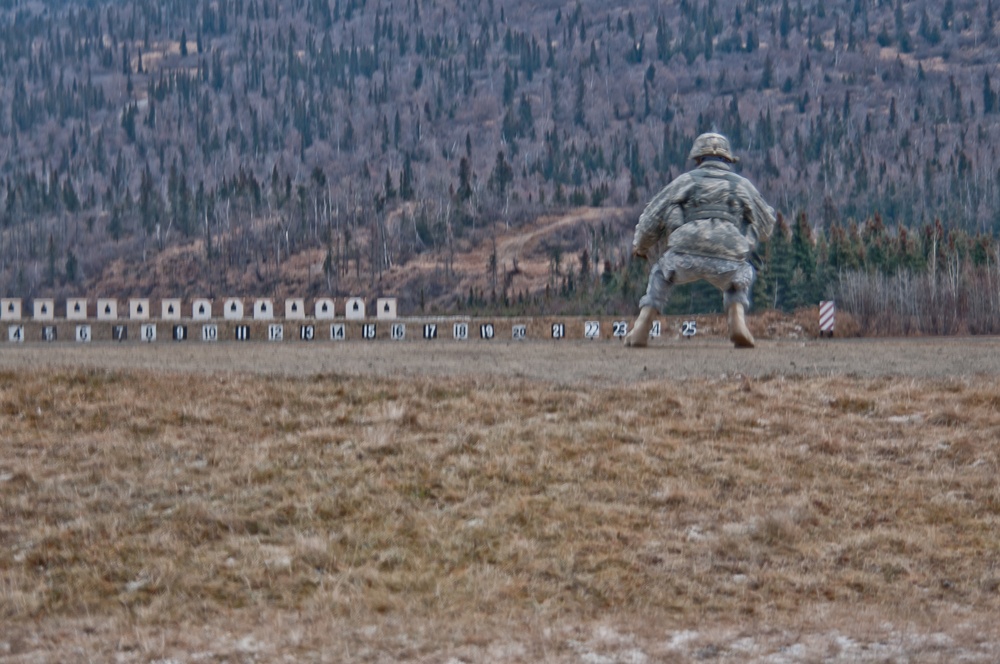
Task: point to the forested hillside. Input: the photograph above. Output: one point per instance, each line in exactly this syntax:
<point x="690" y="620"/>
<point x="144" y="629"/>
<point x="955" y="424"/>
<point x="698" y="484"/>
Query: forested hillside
<point x="266" y="147"/>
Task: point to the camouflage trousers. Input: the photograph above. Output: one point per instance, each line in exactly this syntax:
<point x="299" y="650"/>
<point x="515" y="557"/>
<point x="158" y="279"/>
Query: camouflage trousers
<point x="733" y="278"/>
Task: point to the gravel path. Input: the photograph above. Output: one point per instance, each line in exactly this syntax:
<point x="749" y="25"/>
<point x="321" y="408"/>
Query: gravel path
<point x="562" y="362"/>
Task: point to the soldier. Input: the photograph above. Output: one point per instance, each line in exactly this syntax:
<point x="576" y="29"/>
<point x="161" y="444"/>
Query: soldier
<point x="712" y="220"/>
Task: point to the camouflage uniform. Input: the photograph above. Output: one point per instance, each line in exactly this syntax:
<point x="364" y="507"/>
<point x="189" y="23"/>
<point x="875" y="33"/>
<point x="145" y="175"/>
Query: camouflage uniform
<point x="712" y="220"/>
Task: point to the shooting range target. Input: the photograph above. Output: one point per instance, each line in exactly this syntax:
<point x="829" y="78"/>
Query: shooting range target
<point x="10" y="309"/>
<point x="76" y="308"/>
<point x="385" y="308"/>
<point x="263" y="309"/>
<point x="201" y="309"/>
<point x="138" y="309"/>
<point x="170" y="309"/>
<point x="107" y="309"/>
<point x="44" y="309"/>
<point x="295" y="309"/>
<point x="324" y="309"/>
<point x="232" y="309"/>
<point x="355" y="309"/>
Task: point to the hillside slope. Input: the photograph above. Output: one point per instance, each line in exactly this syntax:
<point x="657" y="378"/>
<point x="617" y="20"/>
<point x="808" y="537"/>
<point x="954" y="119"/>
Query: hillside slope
<point x="308" y="145"/>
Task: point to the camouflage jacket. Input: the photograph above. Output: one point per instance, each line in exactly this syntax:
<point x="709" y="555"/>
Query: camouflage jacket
<point x="709" y="211"/>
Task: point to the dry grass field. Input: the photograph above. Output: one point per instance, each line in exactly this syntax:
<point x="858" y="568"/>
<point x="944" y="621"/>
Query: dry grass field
<point x="493" y="502"/>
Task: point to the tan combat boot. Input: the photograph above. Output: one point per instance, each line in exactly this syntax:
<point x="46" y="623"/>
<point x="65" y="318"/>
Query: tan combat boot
<point x="639" y="336"/>
<point x="738" y="332"/>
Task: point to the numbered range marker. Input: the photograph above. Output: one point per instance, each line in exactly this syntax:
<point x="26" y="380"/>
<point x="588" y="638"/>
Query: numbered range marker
<point x="558" y="330"/>
<point x="338" y="332"/>
<point x="83" y="334"/>
<point x="655" y="330"/>
<point x="519" y="332"/>
<point x="179" y="333"/>
<point x="307" y="332"/>
<point x="275" y="332"/>
<point x="592" y="329"/>
<point x="148" y="333"/>
<point x="397" y="331"/>
<point x="689" y="328"/>
<point x="461" y="331"/>
<point x="430" y="331"/>
<point x="49" y="333"/>
<point x="619" y="328"/>
<point x="368" y="331"/>
<point x="118" y="333"/>
<point x="209" y="332"/>
<point x="242" y="333"/>
<point x="487" y="331"/>
<point x="15" y="334"/>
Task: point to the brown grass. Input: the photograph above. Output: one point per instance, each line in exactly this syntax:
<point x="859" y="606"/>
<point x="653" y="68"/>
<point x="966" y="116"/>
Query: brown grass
<point x="149" y="515"/>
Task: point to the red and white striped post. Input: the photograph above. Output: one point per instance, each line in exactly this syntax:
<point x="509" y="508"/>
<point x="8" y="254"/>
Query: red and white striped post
<point x="827" y="311"/>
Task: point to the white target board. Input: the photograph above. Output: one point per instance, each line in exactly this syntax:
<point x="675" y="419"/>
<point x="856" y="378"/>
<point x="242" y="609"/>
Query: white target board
<point x="519" y="332"/>
<point x="170" y="309"/>
<point x="355" y="309"/>
<point x="76" y="308"/>
<point x="232" y="309"/>
<point x="324" y="309"/>
<point x="10" y="308"/>
<point x="107" y="309"/>
<point x="263" y="309"/>
<point x="44" y="309"/>
<point x="385" y="308"/>
<point x="138" y="309"/>
<point x="295" y="309"/>
<point x="619" y="329"/>
<point x="201" y="309"/>
<point x="15" y="334"/>
<point x="592" y="329"/>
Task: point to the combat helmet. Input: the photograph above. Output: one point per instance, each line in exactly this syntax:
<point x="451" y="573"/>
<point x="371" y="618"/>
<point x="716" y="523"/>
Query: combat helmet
<point x="712" y="145"/>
